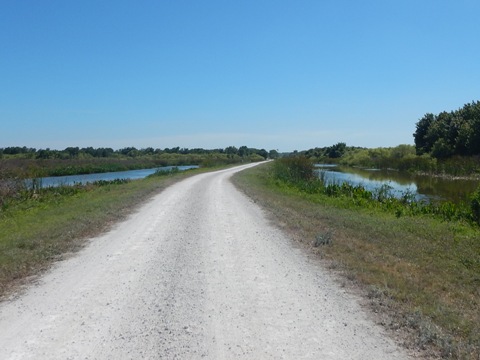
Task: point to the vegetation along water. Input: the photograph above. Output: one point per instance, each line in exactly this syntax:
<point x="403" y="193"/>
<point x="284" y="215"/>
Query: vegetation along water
<point x="424" y="187"/>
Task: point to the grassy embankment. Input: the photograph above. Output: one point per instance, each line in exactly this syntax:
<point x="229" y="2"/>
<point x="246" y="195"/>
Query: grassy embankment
<point x="38" y="227"/>
<point x="420" y="272"/>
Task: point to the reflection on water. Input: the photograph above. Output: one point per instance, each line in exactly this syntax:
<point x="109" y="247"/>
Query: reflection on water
<point x="108" y="176"/>
<point x="424" y="187"/>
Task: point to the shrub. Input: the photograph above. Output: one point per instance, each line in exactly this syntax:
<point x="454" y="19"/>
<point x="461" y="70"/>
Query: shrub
<point x="324" y="238"/>
<point x="294" y="169"/>
<point x="9" y="189"/>
<point x="475" y="205"/>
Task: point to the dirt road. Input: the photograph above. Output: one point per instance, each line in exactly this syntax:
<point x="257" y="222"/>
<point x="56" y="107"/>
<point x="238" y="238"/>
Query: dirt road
<point x="198" y="272"/>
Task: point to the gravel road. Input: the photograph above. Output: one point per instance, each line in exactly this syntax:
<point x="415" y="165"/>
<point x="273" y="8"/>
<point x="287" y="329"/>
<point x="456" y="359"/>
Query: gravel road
<point x="197" y="272"/>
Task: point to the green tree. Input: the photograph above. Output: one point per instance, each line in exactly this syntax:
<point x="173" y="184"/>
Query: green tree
<point x="336" y="151"/>
<point x="44" y="153"/>
<point x="450" y="133"/>
<point x="263" y="153"/>
<point x="463" y="136"/>
<point x="89" y="150"/>
<point x="471" y="114"/>
<point x="148" y="151"/>
<point x="273" y="154"/>
<point x="243" y="151"/>
<point x="403" y="151"/>
<point x="231" y="150"/>
<point x="72" y="152"/>
<point x="442" y="149"/>
<point x="422" y="143"/>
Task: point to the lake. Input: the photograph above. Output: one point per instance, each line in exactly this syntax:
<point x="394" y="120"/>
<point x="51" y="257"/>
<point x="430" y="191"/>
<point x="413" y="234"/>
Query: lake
<point x="53" y="181"/>
<point x="426" y="188"/>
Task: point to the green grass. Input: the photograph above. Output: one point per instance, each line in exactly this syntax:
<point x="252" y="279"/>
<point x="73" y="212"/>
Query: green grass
<point x="37" y="230"/>
<point x="422" y="273"/>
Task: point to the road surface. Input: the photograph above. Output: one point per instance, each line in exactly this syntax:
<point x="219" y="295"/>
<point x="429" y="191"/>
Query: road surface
<point x="197" y="273"/>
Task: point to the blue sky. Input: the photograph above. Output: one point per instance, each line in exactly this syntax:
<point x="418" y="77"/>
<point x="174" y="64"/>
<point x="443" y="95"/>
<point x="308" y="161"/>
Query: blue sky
<point x="269" y="74"/>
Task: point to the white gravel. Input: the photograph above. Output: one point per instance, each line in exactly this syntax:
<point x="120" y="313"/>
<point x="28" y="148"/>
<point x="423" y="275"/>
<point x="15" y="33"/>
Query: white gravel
<point x="198" y="272"/>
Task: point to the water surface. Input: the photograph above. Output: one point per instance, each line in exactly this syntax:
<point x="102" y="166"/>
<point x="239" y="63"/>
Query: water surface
<point x="68" y="180"/>
<point x="424" y="187"/>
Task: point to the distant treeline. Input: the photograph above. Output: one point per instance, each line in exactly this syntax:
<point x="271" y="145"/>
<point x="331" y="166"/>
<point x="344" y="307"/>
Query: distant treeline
<point x="23" y="162"/>
<point x="132" y="152"/>
<point x="450" y="133"/>
<point x="330" y="152"/>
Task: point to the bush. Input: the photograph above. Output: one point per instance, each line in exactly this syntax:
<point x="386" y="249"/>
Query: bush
<point x="9" y="189"/>
<point x="323" y="238"/>
<point x="475" y="205"/>
<point x="294" y="169"/>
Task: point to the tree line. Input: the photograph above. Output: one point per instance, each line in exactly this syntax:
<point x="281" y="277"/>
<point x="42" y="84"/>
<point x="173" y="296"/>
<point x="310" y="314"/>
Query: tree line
<point x="335" y="151"/>
<point x="85" y="152"/>
<point x="449" y="133"/>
